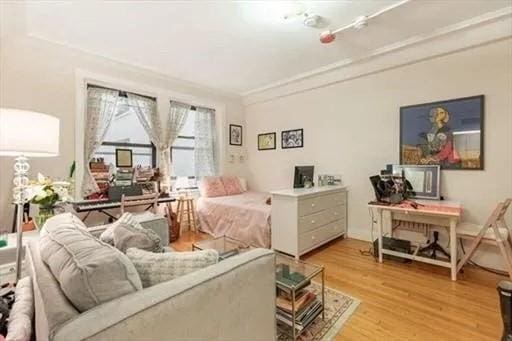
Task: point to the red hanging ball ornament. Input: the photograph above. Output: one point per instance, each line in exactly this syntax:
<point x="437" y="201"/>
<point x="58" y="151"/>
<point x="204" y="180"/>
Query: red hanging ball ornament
<point x="327" y="37"/>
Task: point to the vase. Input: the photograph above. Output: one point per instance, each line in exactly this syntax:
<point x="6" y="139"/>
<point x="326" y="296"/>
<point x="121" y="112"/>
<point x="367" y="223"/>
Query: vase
<point x="45" y="213"/>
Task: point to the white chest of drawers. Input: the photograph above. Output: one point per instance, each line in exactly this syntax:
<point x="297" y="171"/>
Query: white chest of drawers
<point x="304" y="219"/>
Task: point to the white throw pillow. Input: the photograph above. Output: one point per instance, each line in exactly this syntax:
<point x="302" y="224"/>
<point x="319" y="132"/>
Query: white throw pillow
<point x="154" y="268"/>
<point x="243" y="183"/>
<point x="108" y="235"/>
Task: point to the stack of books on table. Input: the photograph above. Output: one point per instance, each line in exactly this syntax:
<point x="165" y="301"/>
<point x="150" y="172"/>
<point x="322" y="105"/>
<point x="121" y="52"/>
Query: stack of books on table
<point x="101" y="173"/>
<point x="124" y="177"/>
<point x="307" y="308"/>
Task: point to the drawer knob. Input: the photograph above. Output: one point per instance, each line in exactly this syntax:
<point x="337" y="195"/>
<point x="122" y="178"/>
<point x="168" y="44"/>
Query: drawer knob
<point x="312" y="221"/>
<point x="312" y="237"/>
<point x="313" y="205"/>
<point x="335" y="213"/>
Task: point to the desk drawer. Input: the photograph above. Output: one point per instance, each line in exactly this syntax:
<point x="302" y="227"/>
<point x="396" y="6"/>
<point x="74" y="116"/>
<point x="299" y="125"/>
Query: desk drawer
<point x="319" y="203"/>
<point x="320" y="235"/>
<point x="315" y="220"/>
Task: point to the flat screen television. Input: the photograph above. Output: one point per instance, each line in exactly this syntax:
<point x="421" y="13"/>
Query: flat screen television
<point x="303" y="173"/>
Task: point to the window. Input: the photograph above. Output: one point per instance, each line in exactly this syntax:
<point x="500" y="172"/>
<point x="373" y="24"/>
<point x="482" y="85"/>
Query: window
<point x="126" y="132"/>
<point x="182" y="151"/>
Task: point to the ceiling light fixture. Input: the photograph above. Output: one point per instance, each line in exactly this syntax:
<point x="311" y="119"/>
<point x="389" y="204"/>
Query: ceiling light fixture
<point x="360" y="23"/>
<point x="312" y="20"/>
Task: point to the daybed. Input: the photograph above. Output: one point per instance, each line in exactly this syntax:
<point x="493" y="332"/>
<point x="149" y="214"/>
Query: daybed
<point x="244" y="216"/>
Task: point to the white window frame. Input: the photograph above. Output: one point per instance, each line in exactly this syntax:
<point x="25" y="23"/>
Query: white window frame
<point x="163" y="97"/>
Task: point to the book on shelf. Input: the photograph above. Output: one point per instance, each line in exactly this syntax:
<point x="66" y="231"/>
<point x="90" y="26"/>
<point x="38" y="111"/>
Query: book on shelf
<point x="303" y="319"/>
<point x="290" y="279"/>
<point x="301" y="300"/>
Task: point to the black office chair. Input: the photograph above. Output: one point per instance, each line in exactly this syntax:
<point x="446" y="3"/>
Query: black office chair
<point x="505" y="292"/>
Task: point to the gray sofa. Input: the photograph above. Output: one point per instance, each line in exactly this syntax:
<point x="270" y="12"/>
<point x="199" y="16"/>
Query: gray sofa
<point x="232" y="300"/>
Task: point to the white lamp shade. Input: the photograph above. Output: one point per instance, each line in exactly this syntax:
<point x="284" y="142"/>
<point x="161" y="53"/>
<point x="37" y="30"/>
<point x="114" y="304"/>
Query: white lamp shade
<point x="28" y="133"/>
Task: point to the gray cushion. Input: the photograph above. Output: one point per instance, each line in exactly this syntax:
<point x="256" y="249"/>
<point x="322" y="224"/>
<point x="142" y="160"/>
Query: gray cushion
<point x="89" y="271"/>
<point x="127" y="232"/>
<point x="65" y="218"/>
<point x="156" y="268"/>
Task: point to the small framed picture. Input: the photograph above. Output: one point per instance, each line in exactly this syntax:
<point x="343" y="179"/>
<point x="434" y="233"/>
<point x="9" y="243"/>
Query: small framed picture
<point x="124" y="158"/>
<point x="292" y="138"/>
<point x="235" y="135"/>
<point x="424" y="180"/>
<point x="267" y="141"/>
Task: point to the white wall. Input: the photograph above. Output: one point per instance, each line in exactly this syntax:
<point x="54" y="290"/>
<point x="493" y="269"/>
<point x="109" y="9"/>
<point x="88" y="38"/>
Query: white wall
<point x="40" y="76"/>
<point x="352" y="128"/>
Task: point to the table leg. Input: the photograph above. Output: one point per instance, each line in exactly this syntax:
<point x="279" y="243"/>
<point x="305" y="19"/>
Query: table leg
<point x="453" y="248"/>
<point x="293" y="316"/>
<point x="188" y="215"/>
<point x="86" y="216"/>
<point x="323" y="294"/>
<point x="380" y="234"/>
<point x="193" y="213"/>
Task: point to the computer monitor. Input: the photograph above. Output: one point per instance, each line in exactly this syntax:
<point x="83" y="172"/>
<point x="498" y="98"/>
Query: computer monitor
<point x="303" y="173"/>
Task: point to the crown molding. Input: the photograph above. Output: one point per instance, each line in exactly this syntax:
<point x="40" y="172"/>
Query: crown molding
<point x="476" y="31"/>
<point x="139" y="68"/>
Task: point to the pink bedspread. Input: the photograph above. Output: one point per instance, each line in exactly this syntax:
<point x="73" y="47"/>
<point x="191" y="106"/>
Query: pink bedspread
<point x="245" y="217"/>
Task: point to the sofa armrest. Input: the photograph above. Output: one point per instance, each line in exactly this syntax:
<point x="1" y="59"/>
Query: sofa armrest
<point x="232" y="300"/>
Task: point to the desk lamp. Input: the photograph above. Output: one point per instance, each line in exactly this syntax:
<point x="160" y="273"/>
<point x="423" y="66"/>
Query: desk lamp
<point x="25" y="134"/>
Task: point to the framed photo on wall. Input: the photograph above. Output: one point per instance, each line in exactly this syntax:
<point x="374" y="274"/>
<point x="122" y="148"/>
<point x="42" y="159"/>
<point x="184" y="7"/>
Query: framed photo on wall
<point x="292" y="138"/>
<point x="235" y="135"/>
<point x="447" y="133"/>
<point x="267" y="141"/>
<point x="424" y="179"/>
<point x="124" y="158"/>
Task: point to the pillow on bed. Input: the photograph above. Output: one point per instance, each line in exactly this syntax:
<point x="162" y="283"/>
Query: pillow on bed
<point x="243" y="184"/>
<point x="212" y="186"/>
<point x="232" y="185"/>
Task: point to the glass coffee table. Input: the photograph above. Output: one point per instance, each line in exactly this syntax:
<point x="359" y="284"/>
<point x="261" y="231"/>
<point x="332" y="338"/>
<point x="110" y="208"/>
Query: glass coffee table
<point x="298" y="303"/>
<point x="225" y="246"/>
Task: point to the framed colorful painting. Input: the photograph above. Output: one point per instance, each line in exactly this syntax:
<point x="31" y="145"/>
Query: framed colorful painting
<point x="447" y="133"/>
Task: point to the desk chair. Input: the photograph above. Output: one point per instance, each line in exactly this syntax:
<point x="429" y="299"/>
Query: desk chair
<point x="140" y="200"/>
<point x="495" y="231"/>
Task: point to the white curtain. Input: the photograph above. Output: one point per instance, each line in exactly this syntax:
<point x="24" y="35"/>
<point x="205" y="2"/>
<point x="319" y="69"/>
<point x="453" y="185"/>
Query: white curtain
<point x="101" y="107"/>
<point x="162" y="135"/>
<point x="178" y="114"/>
<point x="205" y="157"/>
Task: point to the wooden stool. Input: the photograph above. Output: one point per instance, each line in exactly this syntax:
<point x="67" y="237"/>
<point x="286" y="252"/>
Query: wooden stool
<point x="186" y="206"/>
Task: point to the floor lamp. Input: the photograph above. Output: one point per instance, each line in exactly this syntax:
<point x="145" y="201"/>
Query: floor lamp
<point x="25" y="134"/>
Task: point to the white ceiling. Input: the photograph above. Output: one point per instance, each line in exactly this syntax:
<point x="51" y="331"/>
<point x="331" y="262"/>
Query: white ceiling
<point x="237" y="46"/>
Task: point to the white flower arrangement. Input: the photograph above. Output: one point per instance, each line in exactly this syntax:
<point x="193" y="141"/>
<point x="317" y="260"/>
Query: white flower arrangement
<point x="45" y="192"/>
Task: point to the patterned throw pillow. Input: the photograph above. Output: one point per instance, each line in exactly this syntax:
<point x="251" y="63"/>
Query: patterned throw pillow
<point x="212" y="186"/>
<point x="126" y="219"/>
<point x="154" y="268"/>
<point x="128" y="233"/>
<point x="232" y="185"/>
<point x="22" y="312"/>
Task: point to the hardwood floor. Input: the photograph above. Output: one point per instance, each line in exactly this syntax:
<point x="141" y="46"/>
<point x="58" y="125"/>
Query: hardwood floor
<point x="400" y="301"/>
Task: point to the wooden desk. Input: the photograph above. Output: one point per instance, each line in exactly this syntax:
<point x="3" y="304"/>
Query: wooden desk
<point x="438" y="213"/>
